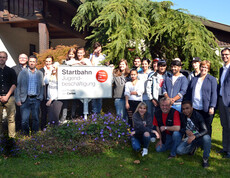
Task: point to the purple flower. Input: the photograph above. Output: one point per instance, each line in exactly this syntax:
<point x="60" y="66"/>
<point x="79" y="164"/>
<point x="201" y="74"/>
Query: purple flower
<point x="67" y="125"/>
<point x="96" y="138"/>
<point x="101" y="132"/>
<point x="102" y="136"/>
<point x="76" y="123"/>
<point x="119" y="136"/>
<point x="123" y="133"/>
<point x="73" y="149"/>
<point x="50" y="152"/>
<point x="42" y="146"/>
<point x="82" y="133"/>
<point x="110" y="134"/>
<point x="103" y="139"/>
<point x="79" y="128"/>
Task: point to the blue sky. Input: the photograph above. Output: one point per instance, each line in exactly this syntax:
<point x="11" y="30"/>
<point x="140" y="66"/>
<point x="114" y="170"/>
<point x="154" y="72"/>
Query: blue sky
<point x="215" y="10"/>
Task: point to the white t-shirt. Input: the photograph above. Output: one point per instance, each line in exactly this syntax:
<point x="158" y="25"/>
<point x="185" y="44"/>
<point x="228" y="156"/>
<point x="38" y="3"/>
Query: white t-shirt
<point x="160" y="79"/>
<point x="97" y="59"/>
<point x="197" y="100"/>
<point x="139" y="88"/>
<point x="174" y="78"/>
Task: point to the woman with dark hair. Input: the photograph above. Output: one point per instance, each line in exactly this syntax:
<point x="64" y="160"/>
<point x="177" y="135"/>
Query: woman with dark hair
<point x="134" y="90"/>
<point x="143" y="129"/>
<point x="120" y="76"/>
<point x="143" y="76"/>
<point x="70" y="58"/>
<point x="202" y="91"/>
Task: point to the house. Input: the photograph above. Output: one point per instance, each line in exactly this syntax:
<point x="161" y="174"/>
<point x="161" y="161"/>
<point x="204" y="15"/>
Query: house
<point x="28" y="26"/>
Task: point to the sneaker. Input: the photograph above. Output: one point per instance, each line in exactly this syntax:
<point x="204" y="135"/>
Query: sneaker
<point x="171" y="157"/>
<point x="205" y="163"/>
<point x="145" y="151"/>
<point x="153" y="139"/>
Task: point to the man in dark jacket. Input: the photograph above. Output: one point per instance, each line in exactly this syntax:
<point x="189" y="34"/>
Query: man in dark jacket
<point x="194" y="127"/>
<point x="167" y="122"/>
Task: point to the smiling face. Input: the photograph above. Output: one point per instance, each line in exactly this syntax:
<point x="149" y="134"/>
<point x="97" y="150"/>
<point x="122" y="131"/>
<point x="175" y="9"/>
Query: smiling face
<point x="162" y="69"/>
<point x="175" y="69"/>
<point x="137" y="62"/>
<point x="187" y="110"/>
<point x="165" y="106"/>
<point x="145" y="65"/>
<point x="23" y="59"/>
<point x="71" y="55"/>
<point x="32" y="63"/>
<point x="204" y="70"/>
<point x="48" y="62"/>
<point x="80" y="54"/>
<point x="225" y="55"/>
<point x="142" y="110"/>
<point x="122" y="66"/>
<point x="155" y="65"/>
<point x="196" y="65"/>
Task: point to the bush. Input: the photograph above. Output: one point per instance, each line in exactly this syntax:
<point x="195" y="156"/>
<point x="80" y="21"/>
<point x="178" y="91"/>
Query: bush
<point x="99" y="132"/>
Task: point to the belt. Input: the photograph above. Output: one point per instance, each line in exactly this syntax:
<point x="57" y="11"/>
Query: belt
<point x="32" y="96"/>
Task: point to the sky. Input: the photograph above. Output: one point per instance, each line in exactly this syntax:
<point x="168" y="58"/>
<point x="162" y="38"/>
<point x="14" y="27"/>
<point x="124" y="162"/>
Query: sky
<point x="214" y="10"/>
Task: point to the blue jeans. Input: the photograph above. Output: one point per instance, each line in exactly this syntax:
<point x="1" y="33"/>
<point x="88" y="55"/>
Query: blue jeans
<point x="120" y="107"/>
<point x="31" y="105"/>
<point x="151" y="109"/>
<point x="96" y="105"/>
<point x="137" y="141"/>
<point x="171" y="143"/>
<point x="204" y="142"/>
<point x="177" y="107"/>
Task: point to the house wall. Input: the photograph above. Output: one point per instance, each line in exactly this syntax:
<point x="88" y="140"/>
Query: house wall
<point x="15" y="41"/>
<point x="67" y="42"/>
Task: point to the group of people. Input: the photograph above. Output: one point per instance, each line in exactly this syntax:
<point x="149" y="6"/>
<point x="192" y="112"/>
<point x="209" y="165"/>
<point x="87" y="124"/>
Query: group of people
<point x="175" y="106"/>
<point x="167" y="105"/>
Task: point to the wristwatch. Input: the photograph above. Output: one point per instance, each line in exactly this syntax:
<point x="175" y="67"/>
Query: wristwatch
<point x="165" y="128"/>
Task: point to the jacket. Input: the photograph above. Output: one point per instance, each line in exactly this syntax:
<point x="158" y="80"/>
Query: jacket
<point x="226" y="87"/>
<point x="208" y="90"/>
<point x="139" y="125"/>
<point x="21" y="91"/>
<point x="179" y="87"/>
<point x="197" y="120"/>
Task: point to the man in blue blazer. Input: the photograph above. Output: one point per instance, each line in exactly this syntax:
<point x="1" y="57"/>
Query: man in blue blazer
<point x="224" y="100"/>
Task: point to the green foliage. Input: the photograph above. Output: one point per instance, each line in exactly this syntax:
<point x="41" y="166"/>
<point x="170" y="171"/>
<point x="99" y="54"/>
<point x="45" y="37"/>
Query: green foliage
<point x="86" y="137"/>
<point x="142" y="27"/>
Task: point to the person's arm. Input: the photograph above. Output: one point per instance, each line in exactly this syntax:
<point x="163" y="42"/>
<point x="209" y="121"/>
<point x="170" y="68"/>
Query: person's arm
<point x="213" y="98"/>
<point x="184" y="86"/>
<point x="5" y="98"/>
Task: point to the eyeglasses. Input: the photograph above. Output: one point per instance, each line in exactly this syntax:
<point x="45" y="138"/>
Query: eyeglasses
<point x="3" y="57"/>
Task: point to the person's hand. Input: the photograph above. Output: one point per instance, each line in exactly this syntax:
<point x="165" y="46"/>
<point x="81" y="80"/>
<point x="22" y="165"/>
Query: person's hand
<point x="190" y="139"/>
<point x="172" y="101"/>
<point x="133" y="93"/>
<point x="156" y="133"/>
<point x="127" y="106"/>
<point x="155" y="103"/>
<point x="4" y="99"/>
<point x="18" y="103"/>
<point x="133" y="133"/>
<point x="189" y="132"/>
<point x="162" y="128"/>
<point x="49" y="102"/>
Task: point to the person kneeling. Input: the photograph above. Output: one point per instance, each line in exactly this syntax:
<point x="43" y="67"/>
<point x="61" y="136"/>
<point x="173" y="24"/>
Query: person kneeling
<point x="196" y="131"/>
<point x="167" y="122"/>
<point x="143" y="129"/>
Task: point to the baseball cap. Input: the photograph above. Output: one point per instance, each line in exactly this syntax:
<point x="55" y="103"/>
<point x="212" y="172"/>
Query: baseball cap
<point x="176" y="63"/>
<point x="156" y="59"/>
<point x="161" y="62"/>
<point x="196" y="59"/>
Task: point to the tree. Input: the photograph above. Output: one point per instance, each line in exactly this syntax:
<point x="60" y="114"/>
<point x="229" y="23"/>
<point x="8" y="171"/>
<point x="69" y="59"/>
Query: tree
<point x="153" y="29"/>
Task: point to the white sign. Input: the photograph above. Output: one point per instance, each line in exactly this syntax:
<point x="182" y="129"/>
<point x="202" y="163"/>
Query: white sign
<point x="84" y="82"/>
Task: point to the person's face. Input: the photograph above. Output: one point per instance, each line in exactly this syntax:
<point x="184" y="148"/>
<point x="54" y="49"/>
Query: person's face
<point x="165" y="106"/>
<point x="48" y="62"/>
<point x="137" y="63"/>
<point x="98" y="50"/>
<point x="71" y="55"/>
<point x="3" y="58"/>
<point x="225" y="55"/>
<point x="142" y="110"/>
<point x="80" y="54"/>
<point x="155" y="65"/>
<point x="145" y="65"/>
<point x="175" y="69"/>
<point x="204" y="70"/>
<point x="32" y="63"/>
<point x="187" y="110"/>
<point x="122" y="66"/>
<point x="162" y="69"/>
<point x="196" y="65"/>
<point x="22" y="59"/>
<point x="133" y="75"/>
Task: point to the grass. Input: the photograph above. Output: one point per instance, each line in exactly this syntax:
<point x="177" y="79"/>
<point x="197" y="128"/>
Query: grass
<point x="119" y="162"/>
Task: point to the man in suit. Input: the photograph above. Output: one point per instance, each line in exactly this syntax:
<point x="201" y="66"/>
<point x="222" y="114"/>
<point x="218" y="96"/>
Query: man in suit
<point x="22" y="60"/>
<point x="29" y="94"/>
<point x="224" y="101"/>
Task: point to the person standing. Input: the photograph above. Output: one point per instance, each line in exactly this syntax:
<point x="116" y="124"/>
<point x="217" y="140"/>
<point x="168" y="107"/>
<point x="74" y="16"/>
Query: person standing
<point x="8" y="80"/>
<point x="202" y="92"/>
<point x="120" y="77"/>
<point x="175" y="85"/>
<point x="137" y="64"/>
<point x="96" y="59"/>
<point x="46" y="70"/>
<point x="196" y="66"/>
<point x="23" y="63"/>
<point x="224" y="101"/>
<point x="29" y="94"/>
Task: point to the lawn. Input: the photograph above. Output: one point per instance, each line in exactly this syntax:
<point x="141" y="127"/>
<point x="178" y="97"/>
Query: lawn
<point x="119" y="162"/>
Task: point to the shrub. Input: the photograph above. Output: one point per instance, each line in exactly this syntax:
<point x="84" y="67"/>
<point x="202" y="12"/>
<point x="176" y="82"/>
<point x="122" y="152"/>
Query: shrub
<point x="89" y="136"/>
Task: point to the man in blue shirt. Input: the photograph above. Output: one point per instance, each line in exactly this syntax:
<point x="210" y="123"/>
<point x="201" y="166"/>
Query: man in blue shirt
<point x="29" y="94"/>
